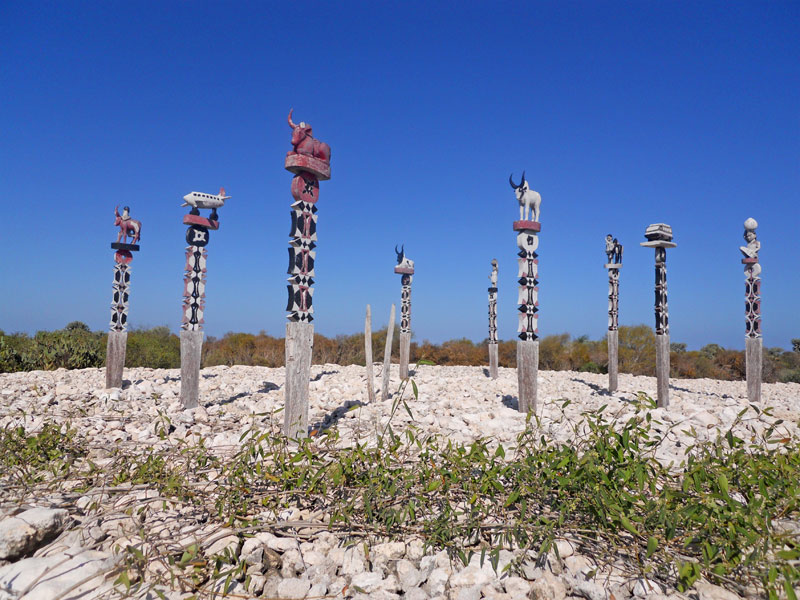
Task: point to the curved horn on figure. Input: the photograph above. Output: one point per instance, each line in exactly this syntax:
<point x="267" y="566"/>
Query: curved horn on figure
<point x="291" y="123"/>
<point x="511" y="181"/>
<point x="116" y="211"/>
<point x="523" y="182"/>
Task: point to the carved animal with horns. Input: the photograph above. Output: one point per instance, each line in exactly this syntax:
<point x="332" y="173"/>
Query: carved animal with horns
<point x="127" y="226"/>
<point x="528" y="199"/>
<point x="402" y="261"/>
<point x="304" y="143"/>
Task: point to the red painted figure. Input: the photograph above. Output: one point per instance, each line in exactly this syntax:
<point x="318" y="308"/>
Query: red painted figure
<point x="304" y="143"/>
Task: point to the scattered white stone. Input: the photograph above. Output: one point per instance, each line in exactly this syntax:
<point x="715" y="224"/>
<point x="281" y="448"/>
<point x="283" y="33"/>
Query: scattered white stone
<point x="23" y="533"/>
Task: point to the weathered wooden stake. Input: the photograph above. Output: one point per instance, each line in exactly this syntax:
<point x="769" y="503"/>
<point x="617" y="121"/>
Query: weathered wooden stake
<point x="191" y="352"/>
<point x="115" y="358"/>
<point x="527" y="229"/>
<point x="753" y="340"/>
<point x="299" y="345"/>
<point x="405" y="267"/>
<point x="493" y="358"/>
<point x="368" y="355"/>
<point x="309" y="160"/>
<point x="387" y="356"/>
<point x="118" y="329"/>
<point x="613" y="264"/>
<point x="527" y="374"/>
<point x="659" y="236"/>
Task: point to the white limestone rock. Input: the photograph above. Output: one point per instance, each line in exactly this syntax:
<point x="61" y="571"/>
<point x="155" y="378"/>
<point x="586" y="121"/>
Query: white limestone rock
<point x="23" y="533"/>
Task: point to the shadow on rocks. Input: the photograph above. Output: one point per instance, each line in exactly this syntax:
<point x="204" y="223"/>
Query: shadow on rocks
<point x="511" y="402"/>
<point x="333" y="417"/>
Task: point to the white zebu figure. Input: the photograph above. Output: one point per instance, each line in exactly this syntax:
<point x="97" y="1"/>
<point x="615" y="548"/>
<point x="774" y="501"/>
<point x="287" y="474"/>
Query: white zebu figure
<point x="402" y="261"/>
<point x="528" y="199"/>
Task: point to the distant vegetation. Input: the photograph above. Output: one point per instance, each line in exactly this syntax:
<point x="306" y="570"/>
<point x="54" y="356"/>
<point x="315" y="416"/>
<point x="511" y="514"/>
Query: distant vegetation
<point x="76" y="347"/>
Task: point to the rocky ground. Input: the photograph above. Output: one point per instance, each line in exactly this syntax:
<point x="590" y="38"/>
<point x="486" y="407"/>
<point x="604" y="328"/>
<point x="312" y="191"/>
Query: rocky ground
<point x="68" y="545"/>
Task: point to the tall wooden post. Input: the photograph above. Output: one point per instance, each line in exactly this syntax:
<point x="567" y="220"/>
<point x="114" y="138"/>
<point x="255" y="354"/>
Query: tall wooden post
<point x="405" y="267"/>
<point x="614" y="264"/>
<point x="659" y="236"/>
<point x="752" y="302"/>
<point x="118" y="329"/>
<point x="368" y="355"/>
<point x="309" y="160"/>
<point x="194" y="290"/>
<point x="527" y="229"/>
<point x="493" y="358"/>
<point x="387" y="357"/>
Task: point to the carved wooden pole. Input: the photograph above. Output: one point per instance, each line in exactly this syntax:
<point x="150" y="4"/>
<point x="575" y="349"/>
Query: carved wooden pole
<point x="309" y="160"/>
<point x="527" y="229"/>
<point x="387" y="356"/>
<point x="118" y="330"/>
<point x="614" y="264"/>
<point x="405" y="267"/>
<point x="752" y="302"/>
<point x="659" y="236"/>
<point x="493" y="358"/>
<point x="194" y="290"/>
<point x="368" y="355"/>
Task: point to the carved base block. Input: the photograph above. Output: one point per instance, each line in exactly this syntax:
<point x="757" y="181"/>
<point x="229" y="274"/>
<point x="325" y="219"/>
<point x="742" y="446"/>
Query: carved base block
<point x="613" y="266"/>
<point x="613" y="360"/>
<point x="191" y="351"/>
<point x="297" y="163"/>
<point x="527" y="226"/>
<point x="299" y="348"/>
<point x="662" y="370"/>
<point x="404" y="270"/>
<point x="753" y="352"/>
<point x="527" y="375"/>
<point x="493" y="361"/>
<point x="115" y="358"/>
<point x="201" y="221"/>
<point x="121" y="246"/>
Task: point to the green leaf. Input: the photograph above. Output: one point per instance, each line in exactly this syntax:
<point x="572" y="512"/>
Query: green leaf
<point x="652" y="546"/>
<point x="722" y="482"/>
<point x="627" y="524"/>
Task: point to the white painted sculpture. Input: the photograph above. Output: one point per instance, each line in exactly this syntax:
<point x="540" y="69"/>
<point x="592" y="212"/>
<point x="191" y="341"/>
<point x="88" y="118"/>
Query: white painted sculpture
<point x="528" y="199"/>
<point x="493" y="276"/>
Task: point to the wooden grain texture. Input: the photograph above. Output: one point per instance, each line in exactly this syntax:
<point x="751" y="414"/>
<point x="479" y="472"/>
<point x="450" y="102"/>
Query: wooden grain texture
<point x="115" y="358"/>
<point x="613" y="360"/>
<point x="191" y="349"/>
<point x="493" y="361"/>
<point x="405" y="351"/>
<point x="662" y="370"/>
<point x="299" y="348"/>
<point x="368" y="355"/>
<point x="753" y="357"/>
<point x="527" y="374"/>
<point x="387" y="357"/>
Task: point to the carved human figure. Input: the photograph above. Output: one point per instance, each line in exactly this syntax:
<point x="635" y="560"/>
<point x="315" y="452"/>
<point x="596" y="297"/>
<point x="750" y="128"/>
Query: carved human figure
<point x="528" y="199"/>
<point x="753" y="245"/>
<point x="493" y="275"/>
<point x="610" y="248"/>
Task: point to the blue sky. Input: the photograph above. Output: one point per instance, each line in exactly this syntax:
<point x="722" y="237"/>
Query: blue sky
<point x="622" y="114"/>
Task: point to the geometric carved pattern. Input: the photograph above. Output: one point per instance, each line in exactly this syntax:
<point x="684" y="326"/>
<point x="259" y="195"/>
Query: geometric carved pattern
<point x="662" y="315"/>
<point x="194" y="288"/>
<point x="119" y="305"/>
<point x="405" y="304"/>
<point x="302" y="246"/>
<point x="492" y="315"/>
<point x="613" y="299"/>
<point x="528" y="298"/>
<point x="752" y="302"/>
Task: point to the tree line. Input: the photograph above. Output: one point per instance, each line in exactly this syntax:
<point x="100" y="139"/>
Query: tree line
<point x="77" y="347"/>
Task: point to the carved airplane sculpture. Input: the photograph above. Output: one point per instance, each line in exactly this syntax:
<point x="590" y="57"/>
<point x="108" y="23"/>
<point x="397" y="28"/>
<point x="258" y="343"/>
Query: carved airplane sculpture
<point x="199" y="200"/>
<point x="528" y="199"/>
